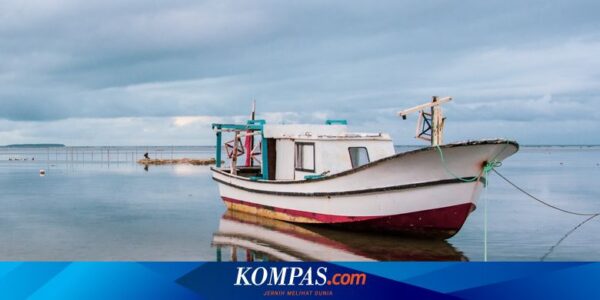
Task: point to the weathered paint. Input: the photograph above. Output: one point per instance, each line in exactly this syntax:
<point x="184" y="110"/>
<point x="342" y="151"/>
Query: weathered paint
<point x="443" y="222"/>
<point x="256" y="125"/>
<point x="282" y="131"/>
<point x="331" y="199"/>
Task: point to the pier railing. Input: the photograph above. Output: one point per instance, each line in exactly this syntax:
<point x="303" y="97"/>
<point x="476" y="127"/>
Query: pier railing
<point x="103" y="154"/>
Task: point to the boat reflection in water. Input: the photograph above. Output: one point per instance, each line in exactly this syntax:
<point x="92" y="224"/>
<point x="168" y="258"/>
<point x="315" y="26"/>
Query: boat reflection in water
<point x="245" y="237"/>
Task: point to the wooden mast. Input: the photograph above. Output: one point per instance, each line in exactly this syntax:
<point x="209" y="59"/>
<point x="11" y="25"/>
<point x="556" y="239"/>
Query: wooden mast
<point x="430" y="126"/>
<point x="437" y="124"/>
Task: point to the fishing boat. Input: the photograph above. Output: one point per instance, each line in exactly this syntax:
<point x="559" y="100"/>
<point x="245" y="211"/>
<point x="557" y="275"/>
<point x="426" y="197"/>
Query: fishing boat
<point x="324" y="174"/>
<point x="266" y="239"/>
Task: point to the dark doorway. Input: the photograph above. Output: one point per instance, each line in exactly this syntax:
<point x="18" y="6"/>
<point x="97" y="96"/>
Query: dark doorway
<point x="272" y="156"/>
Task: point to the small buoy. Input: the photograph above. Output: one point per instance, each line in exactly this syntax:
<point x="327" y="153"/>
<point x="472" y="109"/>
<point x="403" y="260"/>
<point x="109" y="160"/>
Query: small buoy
<point x="42" y="172"/>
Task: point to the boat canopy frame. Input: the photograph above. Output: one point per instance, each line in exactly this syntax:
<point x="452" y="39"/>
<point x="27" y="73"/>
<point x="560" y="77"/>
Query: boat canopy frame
<point x="256" y="126"/>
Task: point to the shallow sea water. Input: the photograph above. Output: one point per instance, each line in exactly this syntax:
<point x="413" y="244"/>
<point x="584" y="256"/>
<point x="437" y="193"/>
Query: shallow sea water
<point x="90" y="208"/>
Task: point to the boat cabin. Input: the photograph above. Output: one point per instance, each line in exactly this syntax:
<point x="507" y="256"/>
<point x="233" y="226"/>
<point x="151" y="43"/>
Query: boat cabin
<point x="263" y="151"/>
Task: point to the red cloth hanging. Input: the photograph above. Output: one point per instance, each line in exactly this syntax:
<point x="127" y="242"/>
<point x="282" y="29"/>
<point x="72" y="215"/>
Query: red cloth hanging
<point x="249" y="144"/>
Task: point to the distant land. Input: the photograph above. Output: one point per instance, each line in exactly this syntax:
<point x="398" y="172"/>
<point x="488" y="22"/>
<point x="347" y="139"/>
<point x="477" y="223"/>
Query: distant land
<point x="34" y="146"/>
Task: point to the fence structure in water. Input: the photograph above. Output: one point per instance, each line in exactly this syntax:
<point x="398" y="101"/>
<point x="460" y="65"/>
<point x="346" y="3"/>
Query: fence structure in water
<point x="102" y="154"/>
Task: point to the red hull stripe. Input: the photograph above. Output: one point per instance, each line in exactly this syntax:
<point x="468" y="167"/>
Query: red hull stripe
<point x="452" y="217"/>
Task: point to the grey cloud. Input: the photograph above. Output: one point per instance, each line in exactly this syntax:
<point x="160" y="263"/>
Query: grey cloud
<point x="64" y="60"/>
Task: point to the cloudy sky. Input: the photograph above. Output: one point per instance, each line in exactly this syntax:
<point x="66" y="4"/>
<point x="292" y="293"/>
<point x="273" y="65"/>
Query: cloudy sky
<point x="159" y="72"/>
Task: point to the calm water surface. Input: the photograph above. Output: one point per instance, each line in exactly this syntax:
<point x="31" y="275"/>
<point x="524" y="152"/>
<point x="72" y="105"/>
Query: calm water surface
<point x="98" y="204"/>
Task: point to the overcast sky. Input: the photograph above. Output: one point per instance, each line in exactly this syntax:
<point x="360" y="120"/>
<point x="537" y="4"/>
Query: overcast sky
<point x="159" y="72"/>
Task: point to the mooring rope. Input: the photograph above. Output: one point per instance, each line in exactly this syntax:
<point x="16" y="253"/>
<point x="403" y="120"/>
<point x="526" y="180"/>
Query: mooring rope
<point x="491" y="166"/>
<point x="452" y="173"/>
<point x="485" y="223"/>
<point x="544" y="202"/>
<point x="551" y="250"/>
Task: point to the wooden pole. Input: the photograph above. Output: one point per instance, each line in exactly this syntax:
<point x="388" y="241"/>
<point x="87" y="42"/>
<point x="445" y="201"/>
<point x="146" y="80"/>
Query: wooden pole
<point x="234" y="257"/>
<point x="234" y="156"/>
<point x="437" y="123"/>
<point x="434" y="125"/>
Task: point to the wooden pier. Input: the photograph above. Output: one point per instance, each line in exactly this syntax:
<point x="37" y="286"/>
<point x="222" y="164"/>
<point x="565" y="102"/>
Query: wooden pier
<point x="188" y="161"/>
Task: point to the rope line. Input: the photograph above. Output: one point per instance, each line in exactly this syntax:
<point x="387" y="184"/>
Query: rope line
<point x="589" y="216"/>
<point x="450" y="172"/>
<point x="543" y="202"/>
<point x="551" y="250"/>
<point x="489" y="166"/>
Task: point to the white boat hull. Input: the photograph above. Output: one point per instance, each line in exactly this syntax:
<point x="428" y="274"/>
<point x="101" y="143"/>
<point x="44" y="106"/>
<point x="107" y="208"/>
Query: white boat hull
<point x="413" y="192"/>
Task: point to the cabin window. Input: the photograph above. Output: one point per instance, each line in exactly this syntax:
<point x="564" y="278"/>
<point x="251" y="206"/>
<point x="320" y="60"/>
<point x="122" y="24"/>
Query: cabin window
<point x="358" y="156"/>
<point x="305" y="157"/>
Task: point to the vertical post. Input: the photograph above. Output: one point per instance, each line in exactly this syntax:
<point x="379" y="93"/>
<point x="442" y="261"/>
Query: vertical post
<point x="219" y="254"/>
<point x="265" y="157"/>
<point x="434" y="123"/>
<point x="485" y="224"/>
<point x="218" y="154"/>
<point x="440" y="126"/>
<point x="234" y="257"/>
<point x="234" y="153"/>
<point x="437" y="123"/>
